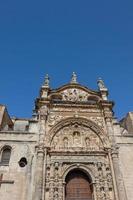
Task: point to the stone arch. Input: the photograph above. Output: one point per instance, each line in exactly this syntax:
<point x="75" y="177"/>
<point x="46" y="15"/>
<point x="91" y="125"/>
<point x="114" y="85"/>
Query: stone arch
<point x="11" y="146"/>
<point x="5" y="146"/>
<point x="82" y="122"/>
<point x="78" y="179"/>
<point x="80" y="167"/>
<point x="94" y="98"/>
<point x="5" y="155"/>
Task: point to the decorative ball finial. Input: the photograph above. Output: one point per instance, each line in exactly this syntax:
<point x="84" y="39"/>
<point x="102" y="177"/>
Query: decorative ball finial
<point x="74" y="78"/>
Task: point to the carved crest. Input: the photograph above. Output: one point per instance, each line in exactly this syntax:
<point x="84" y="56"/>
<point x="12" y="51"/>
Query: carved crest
<point x="74" y="95"/>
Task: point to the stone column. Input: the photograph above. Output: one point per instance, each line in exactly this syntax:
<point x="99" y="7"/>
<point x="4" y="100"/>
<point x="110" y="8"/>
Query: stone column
<point x="51" y="190"/>
<point x="94" y="191"/>
<point x="64" y="187"/>
<point x="60" y="190"/>
<point x="97" y="189"/>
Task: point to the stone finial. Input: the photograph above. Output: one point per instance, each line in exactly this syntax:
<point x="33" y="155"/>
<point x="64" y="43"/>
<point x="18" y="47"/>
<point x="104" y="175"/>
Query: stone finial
<point x="101" y="84"/>
<point x="74" y="78"/>
<point x="102" y="88"/>
<point x="45" y="87"/>
<point x="46" y="81"/>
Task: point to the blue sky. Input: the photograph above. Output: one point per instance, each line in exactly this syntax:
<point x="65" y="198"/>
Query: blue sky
<point x="92" y="38"/>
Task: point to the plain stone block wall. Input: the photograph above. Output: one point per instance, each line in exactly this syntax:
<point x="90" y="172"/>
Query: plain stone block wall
<point x="126" y="165"/>
<point x="22" y="177"/>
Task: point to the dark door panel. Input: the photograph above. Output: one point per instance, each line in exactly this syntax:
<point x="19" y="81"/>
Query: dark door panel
<point x="78" y="187"/>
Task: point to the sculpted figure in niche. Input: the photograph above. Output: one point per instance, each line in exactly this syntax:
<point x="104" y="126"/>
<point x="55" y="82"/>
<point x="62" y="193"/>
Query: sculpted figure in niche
<point x="56" y="195"/>
<point x="102" y="194"/>
<point x="87" y="142"/>
<point x="43" y="110"/>
<point x="65" y="142"/>
<point x="76" y="139"/>
<point x="56" y="174"/>
<point x="55" y="143"/>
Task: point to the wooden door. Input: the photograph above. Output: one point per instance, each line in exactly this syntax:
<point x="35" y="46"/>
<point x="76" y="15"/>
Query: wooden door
<point x="78" y="186"/>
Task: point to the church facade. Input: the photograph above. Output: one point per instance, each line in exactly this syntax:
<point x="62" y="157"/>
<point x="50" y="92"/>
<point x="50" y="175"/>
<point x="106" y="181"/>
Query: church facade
<point x="73" y="148"/>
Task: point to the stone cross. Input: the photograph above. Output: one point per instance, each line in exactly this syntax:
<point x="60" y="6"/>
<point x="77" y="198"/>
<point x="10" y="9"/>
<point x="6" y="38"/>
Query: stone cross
<point x="5" y="181"/>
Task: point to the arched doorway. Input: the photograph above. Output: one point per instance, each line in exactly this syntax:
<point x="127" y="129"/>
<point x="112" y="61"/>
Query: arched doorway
<point x="78" y="186"/>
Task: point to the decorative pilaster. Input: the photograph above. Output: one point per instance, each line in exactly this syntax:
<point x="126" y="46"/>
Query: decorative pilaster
<point x="119" y="181"/>
<point x="60" y="189"/>
<point x="97" y="189"/>
<point x="39" y="174"/>
<point x="117" y="178"/>
<point x="51" y="190"/>
<point x="94" y="191"/>
<point x="41" y="156"/>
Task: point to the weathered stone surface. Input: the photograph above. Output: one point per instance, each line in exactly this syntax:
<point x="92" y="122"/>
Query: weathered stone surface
<point x="72" y="129"/>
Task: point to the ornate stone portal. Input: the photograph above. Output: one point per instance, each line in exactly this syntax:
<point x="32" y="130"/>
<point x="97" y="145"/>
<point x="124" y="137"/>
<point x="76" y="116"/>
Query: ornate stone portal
<point x="75" y="145"/>
<point x="76" y="137"/>
<point x="69" y="147"/>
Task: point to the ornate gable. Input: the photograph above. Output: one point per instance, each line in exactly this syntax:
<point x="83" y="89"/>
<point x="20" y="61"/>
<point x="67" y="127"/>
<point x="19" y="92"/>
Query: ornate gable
<point x="74" y="93"/>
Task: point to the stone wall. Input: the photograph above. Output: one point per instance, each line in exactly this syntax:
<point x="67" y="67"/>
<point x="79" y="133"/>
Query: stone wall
<point x="21" y="179"/>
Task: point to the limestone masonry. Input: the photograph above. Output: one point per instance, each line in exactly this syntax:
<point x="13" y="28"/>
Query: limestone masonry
<point x="73" y="148"/>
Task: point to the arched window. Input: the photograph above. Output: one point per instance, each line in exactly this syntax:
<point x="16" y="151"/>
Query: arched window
<point x="5" y="155"/>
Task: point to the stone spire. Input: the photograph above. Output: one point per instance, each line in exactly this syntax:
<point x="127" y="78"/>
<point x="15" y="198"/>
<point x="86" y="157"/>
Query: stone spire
<point x="45" y="87"/>
<point x="102" y="88"/>
<point x="74" y="78"/>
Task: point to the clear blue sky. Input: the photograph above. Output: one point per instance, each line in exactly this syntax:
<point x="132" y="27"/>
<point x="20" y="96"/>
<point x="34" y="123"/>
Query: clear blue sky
<point x="93" y="38"/>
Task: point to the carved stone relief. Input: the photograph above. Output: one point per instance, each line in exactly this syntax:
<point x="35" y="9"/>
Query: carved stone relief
<point x="53" y="119"/>
<point x="74" y="95"/>
<point x="81" y="122"/>
<point x="102" y="177"/>
<point x="76" y="137"/>
<point x="99" y="121"/>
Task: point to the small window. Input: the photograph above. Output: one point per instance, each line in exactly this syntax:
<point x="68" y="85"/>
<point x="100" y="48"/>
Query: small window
<point x="23" y="162"/>
<point x="5" y="156"/>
